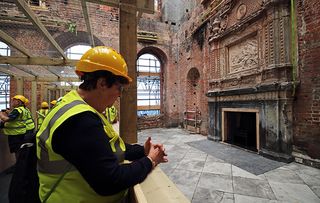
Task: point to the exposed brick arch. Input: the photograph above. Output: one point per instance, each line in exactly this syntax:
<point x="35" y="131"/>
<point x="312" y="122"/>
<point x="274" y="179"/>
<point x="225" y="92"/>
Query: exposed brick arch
<point x="156" y="52"/>
<point x="69" y="39"/>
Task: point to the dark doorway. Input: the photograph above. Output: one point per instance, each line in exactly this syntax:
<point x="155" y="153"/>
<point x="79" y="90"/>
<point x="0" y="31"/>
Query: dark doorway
<point x="241" y="130"/>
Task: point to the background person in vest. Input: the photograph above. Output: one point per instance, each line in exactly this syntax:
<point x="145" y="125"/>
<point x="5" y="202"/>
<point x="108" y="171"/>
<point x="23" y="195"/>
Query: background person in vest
<point x="30" y="125"/>
<point x="52" y="103"/>
<point x="80" y="147"/>
<point x="14" y="123"/>
<point x="111" y="114"/>
<point x="43" y="111"/>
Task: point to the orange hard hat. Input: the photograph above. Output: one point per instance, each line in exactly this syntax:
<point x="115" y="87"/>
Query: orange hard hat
<point x="103" y="58"/>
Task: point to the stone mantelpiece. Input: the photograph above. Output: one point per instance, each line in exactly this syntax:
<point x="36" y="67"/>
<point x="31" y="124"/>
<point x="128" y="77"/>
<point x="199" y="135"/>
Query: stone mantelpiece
<point x="273" y="103"/>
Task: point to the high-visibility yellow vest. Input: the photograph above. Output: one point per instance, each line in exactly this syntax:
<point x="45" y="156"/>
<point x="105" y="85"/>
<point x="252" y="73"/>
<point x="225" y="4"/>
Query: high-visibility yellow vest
<point x="73" y="187"/>
<point x="111" y="114"/>
<point x="41" y="115"/>
<point x="28" y="119"/>
<point x="16" y="126"/>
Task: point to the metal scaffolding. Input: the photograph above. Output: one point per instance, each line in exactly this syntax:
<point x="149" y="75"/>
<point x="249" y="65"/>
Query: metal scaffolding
<point x="148" y="85"/>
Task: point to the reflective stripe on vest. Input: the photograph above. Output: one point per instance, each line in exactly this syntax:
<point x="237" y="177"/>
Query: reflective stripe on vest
<point x="28" y="119"/>
<point x="42" y="114"/>
<point x="72" y="188"/>
<point x="16" y="126"/>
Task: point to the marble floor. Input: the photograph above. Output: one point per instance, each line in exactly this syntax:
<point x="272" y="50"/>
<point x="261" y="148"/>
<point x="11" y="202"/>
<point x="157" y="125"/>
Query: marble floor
<point x="202" y="177"/>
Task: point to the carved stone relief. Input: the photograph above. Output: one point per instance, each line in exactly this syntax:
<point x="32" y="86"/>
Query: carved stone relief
<point x="244" y="55"/>
<point x="241" y="11"/>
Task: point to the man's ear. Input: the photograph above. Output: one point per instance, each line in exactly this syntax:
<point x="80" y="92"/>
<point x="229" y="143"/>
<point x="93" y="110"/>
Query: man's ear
<point x="101" y="82"/>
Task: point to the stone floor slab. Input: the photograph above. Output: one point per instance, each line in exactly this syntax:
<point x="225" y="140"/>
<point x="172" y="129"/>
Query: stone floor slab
<point x="217" y="168"/>
<point x="202" y="195"/>
<point x="238" y="172"/>
<point x="221" y="183"/>
<point x="253" y="187"/>
<point x="294" y="192"/>
<point x="248" y="199"/>
<point x="283" y="176"/>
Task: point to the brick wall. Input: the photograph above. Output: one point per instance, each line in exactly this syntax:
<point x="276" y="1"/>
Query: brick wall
<point x="307" y="104"/>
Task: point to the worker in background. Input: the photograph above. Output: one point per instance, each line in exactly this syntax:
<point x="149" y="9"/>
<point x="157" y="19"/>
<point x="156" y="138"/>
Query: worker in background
<point x="80" y="149"/>
<point x="52" y="103"/>
<point x="111" y="114"/>
<point x="14" y="123"/>
<point x="43" y="111"/>
<point x="30" y="125"/>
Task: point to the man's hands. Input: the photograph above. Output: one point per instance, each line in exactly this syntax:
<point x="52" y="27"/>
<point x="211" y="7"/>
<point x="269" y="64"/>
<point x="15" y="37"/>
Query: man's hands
<point x="155" y="152"/>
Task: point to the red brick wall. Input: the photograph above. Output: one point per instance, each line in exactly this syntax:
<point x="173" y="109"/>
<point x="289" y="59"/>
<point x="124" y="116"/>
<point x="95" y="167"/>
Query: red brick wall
<point x="307" y="104"/>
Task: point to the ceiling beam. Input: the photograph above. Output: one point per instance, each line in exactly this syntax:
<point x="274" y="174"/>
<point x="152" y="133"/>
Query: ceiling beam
<point x="4" y="69"/>
<point x="39" y="78"/>
<point x="22" y="4"/>
<point x="25" y="70"/>
<point x="85" y="11"/>
<point x="9" y="40"/>
<point x="45" y="61"/>
<point x="145" y="6"/>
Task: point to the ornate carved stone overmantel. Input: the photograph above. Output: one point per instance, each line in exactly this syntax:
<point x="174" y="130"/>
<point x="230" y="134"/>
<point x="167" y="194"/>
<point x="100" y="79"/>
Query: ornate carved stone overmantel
<point x="218" y="31"/>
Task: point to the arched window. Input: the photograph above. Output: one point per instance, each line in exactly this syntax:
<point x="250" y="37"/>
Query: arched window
<point x="148" y="85"/>
<point x="4" y="80"/>
<point x="75" y="52"/>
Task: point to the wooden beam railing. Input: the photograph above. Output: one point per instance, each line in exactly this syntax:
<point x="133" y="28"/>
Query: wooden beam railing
<point x="157" y="188"/>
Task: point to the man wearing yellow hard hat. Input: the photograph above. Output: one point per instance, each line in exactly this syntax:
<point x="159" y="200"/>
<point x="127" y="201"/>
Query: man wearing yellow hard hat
<point x="42" y="113"/>
<point x="17" y="123"/>
<point x="52" y="103"/>
<point x="80" y="156"/>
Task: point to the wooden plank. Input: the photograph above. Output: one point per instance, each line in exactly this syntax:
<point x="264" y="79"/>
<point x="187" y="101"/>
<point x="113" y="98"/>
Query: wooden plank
<point x="145" y="6"/>
<point x="111" y="3"/>
<point x="240" y="110"/>
<point x="158" y="188"/>
<point x="128" y="49"/>
<point x="46" y="61"/>
<point x="22" y="4"/>
<point x="258" y="131"/>
<point x="9" y="40"/>
<point x="25" y="70"/>
<point x="148" y="74"/>
<point x="85" y="11"/>
<point x="151" y="107"/>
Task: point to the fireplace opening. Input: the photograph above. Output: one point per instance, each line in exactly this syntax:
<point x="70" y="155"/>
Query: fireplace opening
<point x="241" y="129"/>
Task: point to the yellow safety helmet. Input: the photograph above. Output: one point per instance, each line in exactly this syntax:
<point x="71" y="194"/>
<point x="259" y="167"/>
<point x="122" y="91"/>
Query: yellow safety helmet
<point x="103" y="58"/>
<point x="53" y="102"/>
<point x="20" y="97"/>
<point x="44" y="105"/>
<point x="26" y="102"/>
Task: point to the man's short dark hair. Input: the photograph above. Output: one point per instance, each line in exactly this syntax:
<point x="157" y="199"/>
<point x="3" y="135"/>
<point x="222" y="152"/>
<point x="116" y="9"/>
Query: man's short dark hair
<point x="90" y="79"/>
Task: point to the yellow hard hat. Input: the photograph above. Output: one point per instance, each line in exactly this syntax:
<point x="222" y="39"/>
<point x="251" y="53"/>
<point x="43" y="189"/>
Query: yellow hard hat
<point x="44" y="105"/>
<point x="103" y="58"/>
<point x="26" y="102"/>
<point x="53" y="102"/>
<point x="20" y="97"/>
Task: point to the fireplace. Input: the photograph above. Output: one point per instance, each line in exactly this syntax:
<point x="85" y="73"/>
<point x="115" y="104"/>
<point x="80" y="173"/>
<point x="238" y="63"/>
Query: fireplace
<point x="240" y="127"/>
<point x="257" y="119"/>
